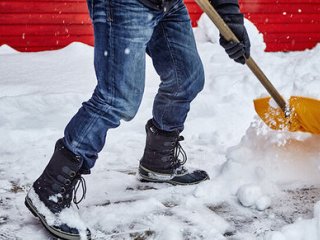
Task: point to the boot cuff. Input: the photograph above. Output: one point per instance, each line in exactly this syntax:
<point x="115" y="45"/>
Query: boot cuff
<point x="150" y="126"/>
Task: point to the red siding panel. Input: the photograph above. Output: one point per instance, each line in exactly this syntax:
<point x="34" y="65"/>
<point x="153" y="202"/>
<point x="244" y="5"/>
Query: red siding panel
<point x="43" y="18"/>
<point x="34" y="25"/>
<point x="46" y="30"/>
<point x="42" y="7"/>
<point x="31" y="43"/>
<point x="287" y="25"/>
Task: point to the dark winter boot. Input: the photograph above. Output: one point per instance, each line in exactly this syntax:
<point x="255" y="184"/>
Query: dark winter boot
<point x="160" y="161"/>
<point x="51" y="195"/>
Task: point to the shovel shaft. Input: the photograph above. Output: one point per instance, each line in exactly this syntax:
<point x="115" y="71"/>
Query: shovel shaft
<point x="226" y="32"/>
<point x="267" y="85"/>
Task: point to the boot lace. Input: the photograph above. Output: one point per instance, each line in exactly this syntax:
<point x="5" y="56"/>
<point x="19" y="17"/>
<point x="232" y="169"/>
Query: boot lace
<point x="80" y="182"/>
<point x="179" y="152"/>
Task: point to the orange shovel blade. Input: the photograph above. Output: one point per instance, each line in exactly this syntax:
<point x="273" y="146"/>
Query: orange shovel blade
<point x="304" y="117"/>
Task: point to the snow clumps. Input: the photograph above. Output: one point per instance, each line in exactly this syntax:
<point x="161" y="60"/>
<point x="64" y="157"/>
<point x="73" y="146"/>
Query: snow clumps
<point x="250" y="195"/>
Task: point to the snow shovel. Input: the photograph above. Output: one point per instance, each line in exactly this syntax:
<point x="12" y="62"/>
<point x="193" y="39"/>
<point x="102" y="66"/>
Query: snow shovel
<point x="300" y="114"/>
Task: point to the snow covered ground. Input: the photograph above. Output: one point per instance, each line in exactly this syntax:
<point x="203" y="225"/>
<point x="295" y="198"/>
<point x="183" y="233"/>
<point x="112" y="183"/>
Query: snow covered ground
<point x="264" y="184"/>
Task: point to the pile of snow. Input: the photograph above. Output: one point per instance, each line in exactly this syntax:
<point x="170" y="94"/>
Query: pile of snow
<point x="5" y="49"/>
<point x="207" y="32"/>
<point x="249" y="164"/>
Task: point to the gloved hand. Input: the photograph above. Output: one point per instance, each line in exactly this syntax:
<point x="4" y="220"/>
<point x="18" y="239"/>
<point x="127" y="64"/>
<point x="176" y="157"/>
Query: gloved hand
<point x="230" y="13"/>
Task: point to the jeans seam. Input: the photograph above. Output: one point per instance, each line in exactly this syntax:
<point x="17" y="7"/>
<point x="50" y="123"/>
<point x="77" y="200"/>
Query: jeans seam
<point x="112" y="63"/>
<point x="175" y="67"/>
<point x="109" y="11"/>
<point x="92" y="10"/>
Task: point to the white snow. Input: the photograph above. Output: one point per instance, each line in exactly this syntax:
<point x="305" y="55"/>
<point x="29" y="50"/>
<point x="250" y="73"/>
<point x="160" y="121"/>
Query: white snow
<point x="275" y="173"/>
<point x="249" y="194"/>
<point x="5" y="49"/>
<point x="68" y="216"/>
<point x="55" y="198"/>
<point x="301" y="230"/>
<point x="127" y="51"/>
<point x="263" y="203"/>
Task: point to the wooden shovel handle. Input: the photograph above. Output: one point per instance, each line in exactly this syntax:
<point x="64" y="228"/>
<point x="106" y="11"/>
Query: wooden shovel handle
<point x="226" y="32"/>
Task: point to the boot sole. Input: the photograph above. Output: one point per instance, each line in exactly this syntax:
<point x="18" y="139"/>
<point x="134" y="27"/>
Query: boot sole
<point x="144" y="178"/>
<point x="175" y="183"/>
<point x="55" y="232"/>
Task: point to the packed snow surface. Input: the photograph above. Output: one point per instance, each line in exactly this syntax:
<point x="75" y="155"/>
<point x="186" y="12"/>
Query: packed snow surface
<point x="264" y="184"/>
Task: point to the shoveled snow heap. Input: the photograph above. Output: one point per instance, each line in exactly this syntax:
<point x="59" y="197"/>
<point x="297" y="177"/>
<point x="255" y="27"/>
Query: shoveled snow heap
<point x="275" y="174"/>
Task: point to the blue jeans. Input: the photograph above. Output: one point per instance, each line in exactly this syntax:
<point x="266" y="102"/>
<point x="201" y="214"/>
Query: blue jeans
<point x="125" y="30"/>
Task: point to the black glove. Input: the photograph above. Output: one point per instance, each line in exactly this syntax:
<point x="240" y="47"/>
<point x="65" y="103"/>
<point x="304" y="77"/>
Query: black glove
<point x="230" y="13"/>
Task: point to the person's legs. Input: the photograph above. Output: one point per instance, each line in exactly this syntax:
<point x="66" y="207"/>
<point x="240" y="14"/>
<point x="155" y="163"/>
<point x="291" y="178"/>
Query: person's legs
<point x="122" y="30"/>
<point x="175" y="57"/>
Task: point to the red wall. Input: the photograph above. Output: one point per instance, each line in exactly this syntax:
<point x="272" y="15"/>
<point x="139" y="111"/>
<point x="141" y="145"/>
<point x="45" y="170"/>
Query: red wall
<point x="35" y="25"/>
<point x="286" y="24"/>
